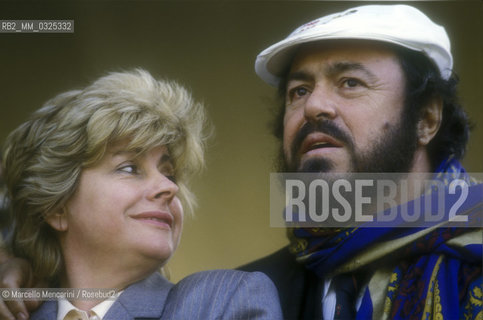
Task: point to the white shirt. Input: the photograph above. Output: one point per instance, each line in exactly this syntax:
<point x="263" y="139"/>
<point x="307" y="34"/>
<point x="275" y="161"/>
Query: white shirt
<point x="64" y="306"/>
<point x="328" y="299"/>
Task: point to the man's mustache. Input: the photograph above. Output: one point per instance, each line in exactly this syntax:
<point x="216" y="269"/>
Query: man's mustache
<point x="324" y="126"/>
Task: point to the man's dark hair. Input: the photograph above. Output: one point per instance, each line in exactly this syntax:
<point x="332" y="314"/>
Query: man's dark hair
<point x="423" y="82"/>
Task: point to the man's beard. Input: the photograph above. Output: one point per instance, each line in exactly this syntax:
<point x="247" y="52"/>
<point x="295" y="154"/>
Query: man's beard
<point x="392" y="152"/>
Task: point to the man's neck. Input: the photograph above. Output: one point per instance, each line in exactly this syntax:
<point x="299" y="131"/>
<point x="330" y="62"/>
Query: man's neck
<point x="410" y="185"/>
<point x="420" y="171"/>
<point x="421" y="162"/>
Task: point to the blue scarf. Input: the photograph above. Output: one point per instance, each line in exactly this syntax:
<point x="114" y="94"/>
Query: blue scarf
<point x="427" y="273"/>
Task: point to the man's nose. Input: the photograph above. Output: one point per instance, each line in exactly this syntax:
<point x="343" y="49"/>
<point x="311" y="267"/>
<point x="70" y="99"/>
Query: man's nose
<point x="320" y="104"/>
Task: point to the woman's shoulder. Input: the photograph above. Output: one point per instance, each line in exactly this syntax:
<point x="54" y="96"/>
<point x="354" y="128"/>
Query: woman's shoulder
<point x="46" y="311"/>
<point x="223" y="277"/>
<point x="224" y="294"/>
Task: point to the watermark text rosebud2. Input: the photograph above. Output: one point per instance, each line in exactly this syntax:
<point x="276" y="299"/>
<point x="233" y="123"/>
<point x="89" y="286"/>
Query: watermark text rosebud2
<point x="375" y="200"/>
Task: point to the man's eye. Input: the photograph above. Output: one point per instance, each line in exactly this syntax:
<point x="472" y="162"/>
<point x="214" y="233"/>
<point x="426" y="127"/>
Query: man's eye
<point x="351" y="83"/>
<point x="297" y="92"/>
<point x="300" y="91"/>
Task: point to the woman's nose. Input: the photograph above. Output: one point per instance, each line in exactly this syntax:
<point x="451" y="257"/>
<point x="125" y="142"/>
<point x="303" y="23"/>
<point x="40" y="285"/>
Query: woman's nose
<point x="162" y="187"/>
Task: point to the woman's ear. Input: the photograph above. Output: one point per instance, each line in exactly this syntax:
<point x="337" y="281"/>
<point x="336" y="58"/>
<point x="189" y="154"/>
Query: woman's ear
<point x="58" y="220"/>
<point x="430" y="121"/>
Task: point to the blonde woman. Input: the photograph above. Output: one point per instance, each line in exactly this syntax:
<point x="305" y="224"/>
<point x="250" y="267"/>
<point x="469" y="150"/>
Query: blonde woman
<point x="97" y="185"/>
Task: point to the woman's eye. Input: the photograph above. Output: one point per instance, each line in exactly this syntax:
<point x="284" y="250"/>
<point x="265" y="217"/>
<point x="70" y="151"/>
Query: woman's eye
<point x="129" y="169"/>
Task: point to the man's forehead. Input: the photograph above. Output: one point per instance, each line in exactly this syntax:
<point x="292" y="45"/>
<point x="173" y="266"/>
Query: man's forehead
<point x="333" y="53"/>
<point x="344" y="48"/>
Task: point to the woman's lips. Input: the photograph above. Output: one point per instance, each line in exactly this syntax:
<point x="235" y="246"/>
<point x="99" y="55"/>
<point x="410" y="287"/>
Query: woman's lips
<point x="156" y="218"/>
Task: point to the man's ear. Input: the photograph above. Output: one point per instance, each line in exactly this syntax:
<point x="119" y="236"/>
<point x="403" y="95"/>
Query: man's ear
<point x="430" y="121"/>
<point x="58" y="220"/>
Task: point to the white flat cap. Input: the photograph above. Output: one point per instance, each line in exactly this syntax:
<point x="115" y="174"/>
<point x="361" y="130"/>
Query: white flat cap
<point x="397" y="24"/>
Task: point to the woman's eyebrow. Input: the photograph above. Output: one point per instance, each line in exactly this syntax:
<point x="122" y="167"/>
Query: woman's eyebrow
<point x="120" y="153"/>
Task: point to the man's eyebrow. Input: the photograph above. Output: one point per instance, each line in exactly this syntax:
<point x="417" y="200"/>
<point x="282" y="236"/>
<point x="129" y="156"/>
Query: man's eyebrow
<point x="332" y="70"/>
<point x="299" y="75"/>
<point x="343" y="66"/>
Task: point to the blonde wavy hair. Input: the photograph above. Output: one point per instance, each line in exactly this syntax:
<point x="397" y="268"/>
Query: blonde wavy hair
<point x="44" y="157"/>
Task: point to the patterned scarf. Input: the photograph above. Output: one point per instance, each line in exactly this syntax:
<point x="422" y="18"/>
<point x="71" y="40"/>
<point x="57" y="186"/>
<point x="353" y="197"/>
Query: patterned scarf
<point x="415" y="273"/>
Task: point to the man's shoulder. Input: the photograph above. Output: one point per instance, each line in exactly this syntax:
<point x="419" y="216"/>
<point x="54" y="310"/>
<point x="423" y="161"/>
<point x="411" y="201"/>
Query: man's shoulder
<point x="298" y="288"/>
<point x="283" y="269"/>
<point x="278" y="264"/>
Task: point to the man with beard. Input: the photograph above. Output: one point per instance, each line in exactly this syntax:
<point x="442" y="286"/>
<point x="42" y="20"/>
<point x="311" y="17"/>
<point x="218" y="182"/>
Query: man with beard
<point x="371" y="89"/>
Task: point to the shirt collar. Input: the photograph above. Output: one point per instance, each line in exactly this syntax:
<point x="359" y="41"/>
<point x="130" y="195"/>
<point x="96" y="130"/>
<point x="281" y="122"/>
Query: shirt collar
<point x="64" y="306"/>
